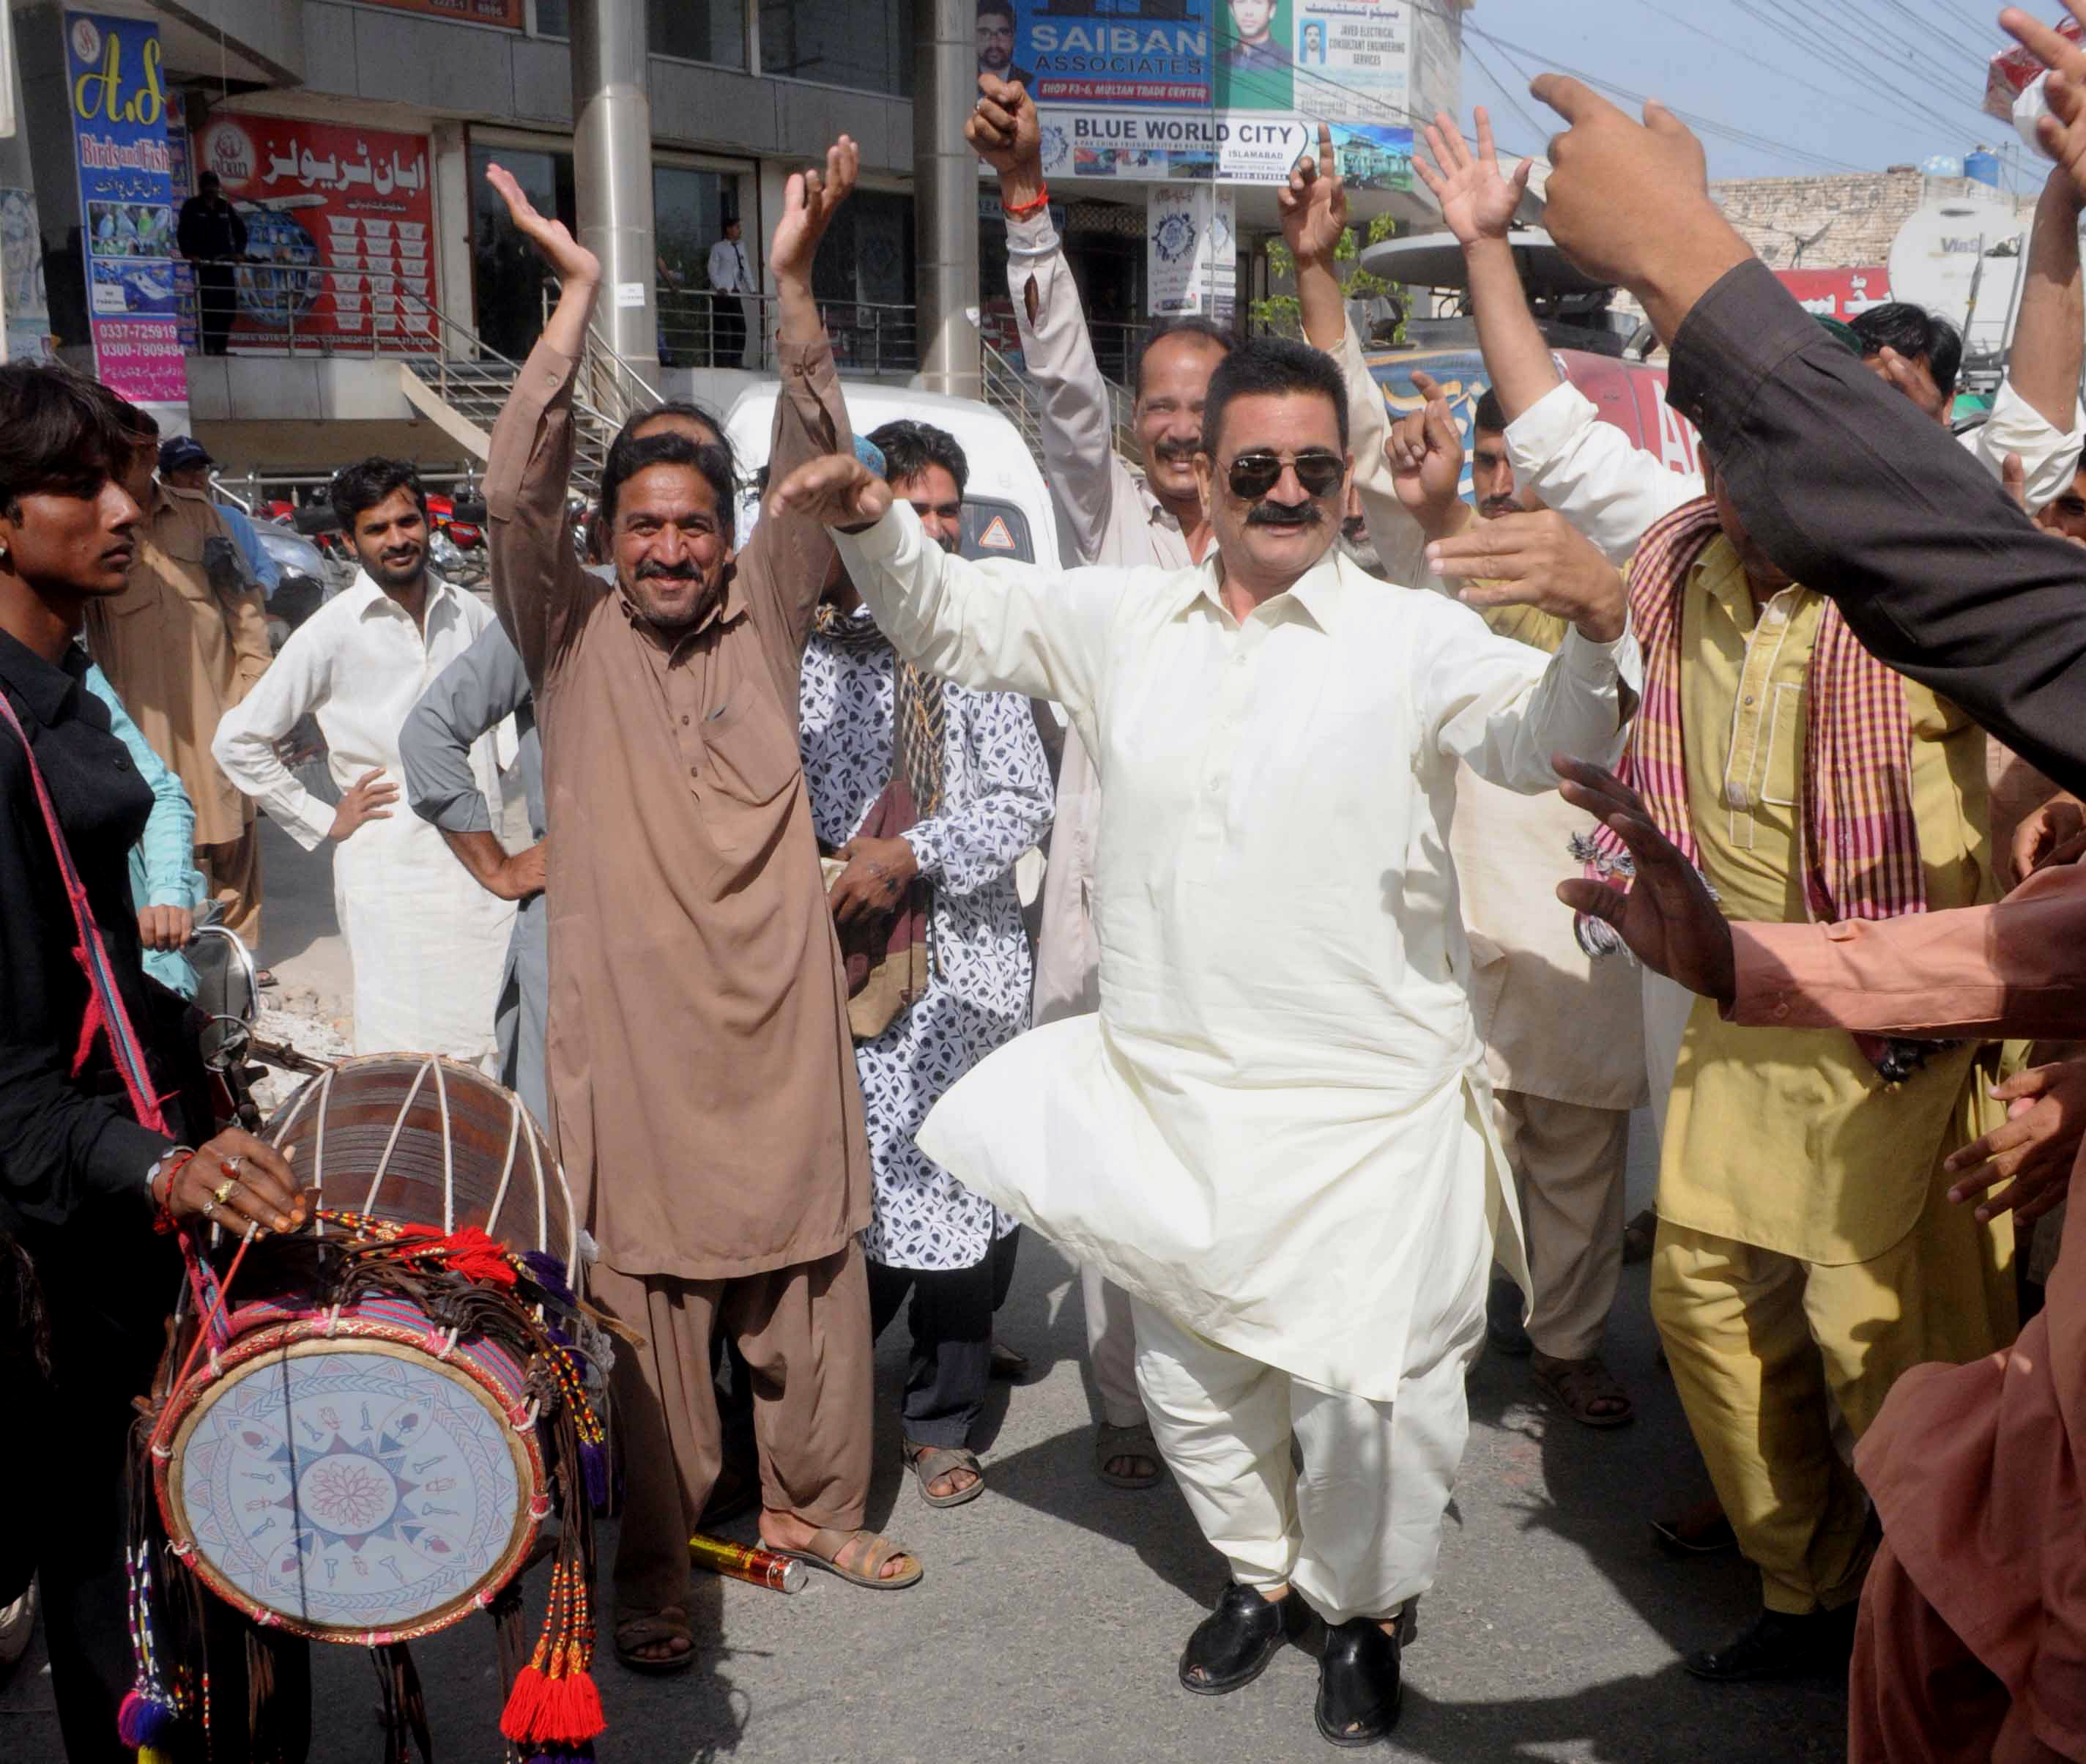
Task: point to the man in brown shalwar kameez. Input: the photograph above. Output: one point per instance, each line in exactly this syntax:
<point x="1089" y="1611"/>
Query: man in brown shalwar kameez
<point x="701" y="1072"/>
<point x="180" y="650"/>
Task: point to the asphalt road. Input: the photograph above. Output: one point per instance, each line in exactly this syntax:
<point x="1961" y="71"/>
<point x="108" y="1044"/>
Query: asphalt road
<point x="1053" y="1608"/>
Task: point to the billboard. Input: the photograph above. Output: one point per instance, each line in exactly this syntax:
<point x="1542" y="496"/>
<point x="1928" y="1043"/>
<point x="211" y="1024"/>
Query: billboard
<point x="1191" y="252"/>
<point x="119" y="127"/>
<point x="1838" y="294"/>
<point x="507" y="14"/>
<point x="1228" y="91"/>
<point x="342" y="219"/>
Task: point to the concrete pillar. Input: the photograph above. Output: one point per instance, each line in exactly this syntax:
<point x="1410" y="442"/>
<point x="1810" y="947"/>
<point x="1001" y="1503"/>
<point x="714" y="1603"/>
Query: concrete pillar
<point x="612" y="171"/>
<point x="945" y="192"/>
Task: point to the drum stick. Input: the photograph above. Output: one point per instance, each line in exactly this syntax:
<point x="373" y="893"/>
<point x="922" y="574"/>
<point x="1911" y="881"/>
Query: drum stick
<point x="748" y="1563"/>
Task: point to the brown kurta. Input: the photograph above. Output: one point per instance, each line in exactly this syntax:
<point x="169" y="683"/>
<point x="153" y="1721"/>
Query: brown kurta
<point x="180" y="654"/>
<point x="702" y="1076"/>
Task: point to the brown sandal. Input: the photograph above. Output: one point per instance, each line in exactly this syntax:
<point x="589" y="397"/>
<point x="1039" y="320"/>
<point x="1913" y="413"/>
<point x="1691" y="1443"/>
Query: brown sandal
<point x="1578" y="1385"/>
<point x="647" y="1628"/>
<point x="879" y="1550"/>
<point x="1113" y="1443"/>
<point x="930" y="1463"/>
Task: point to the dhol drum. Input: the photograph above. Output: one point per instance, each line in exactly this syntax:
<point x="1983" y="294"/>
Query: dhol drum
<point x="358" y="1458"/>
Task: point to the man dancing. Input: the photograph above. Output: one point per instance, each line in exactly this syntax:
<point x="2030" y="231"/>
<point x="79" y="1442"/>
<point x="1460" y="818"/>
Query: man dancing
<point x="702" y="1080"/>
<point x="1221" y="1138"/>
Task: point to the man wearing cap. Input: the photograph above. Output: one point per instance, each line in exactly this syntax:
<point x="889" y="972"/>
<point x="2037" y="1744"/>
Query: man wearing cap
<point x="183" y="643"/>
<point x="186" y="464"/>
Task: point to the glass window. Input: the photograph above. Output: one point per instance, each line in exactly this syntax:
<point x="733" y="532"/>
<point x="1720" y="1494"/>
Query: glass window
<point x="713" y="31"/>
<point x="688" y="210"/>
<point x="509" y="275"/>
<point x="862" y="281"/>
<point x="839" y="43"/>
<point x="554" y="18"/>
<point x="995" y="528"/>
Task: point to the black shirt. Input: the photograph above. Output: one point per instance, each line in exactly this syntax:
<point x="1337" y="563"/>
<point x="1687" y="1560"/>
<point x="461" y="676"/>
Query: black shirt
<point x="66" y="1142"/>
<point x="210" y="227"/>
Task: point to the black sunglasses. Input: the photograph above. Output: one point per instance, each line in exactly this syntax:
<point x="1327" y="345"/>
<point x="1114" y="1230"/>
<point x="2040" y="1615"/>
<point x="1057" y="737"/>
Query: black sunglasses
<point x="1253" y="476"/>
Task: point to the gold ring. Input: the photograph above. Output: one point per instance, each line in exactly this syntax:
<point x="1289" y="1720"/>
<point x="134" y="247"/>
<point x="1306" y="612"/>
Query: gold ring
<point x="222" y="1192"/>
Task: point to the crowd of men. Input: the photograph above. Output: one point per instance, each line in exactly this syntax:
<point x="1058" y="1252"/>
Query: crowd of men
<point x="1300" y="1069"/>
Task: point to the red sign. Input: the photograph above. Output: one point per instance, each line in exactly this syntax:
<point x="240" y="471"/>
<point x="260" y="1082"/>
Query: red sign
<point x="504" y="13"/>
<point x="340" y="231"/>
<point x="1838" y="294"/>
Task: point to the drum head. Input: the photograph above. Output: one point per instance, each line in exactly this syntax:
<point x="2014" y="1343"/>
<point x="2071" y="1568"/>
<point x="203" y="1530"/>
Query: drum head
<point x="354" y="1488"/>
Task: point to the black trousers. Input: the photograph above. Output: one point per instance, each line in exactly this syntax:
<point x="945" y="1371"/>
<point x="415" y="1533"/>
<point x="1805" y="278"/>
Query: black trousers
<point x="107" y="1292"/>
<point x="728" y="326"/>
<point x="951" y="1365"/>
<point x="217" y="299"/>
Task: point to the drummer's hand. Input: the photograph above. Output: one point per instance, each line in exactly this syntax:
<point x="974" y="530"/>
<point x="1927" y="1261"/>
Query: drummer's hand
<point x="165" y="928"/>
<point x="263" y="1192"/>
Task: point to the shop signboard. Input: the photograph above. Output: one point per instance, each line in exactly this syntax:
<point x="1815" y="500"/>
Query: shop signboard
<point x="1838" y="294"/>
<point x="341" y="221"/>
<point x="506" y="14"/>
<point x="1227" y="90"/>
<point x="119" y="126"/>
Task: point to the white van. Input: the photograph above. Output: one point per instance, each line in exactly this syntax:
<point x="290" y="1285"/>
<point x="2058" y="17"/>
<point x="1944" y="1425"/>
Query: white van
<point x="1006" y="505"/>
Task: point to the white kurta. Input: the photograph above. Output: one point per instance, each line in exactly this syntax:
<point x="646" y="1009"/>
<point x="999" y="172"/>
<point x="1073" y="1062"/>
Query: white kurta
<point x="427" y="944"/>
<point x="1258" y="1132"/>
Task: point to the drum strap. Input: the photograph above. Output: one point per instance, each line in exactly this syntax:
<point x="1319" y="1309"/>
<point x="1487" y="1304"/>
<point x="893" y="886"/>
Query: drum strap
<point x="105" y="1012"/>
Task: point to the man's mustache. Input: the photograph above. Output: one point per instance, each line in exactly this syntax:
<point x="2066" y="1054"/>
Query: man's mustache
<point x="1283" y="514"/>
<point x="653" y="570"/>
<point x="1174" y="452"/>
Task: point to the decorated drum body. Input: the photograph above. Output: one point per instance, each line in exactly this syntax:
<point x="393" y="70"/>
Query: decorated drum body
<point x="363" y="1478"/>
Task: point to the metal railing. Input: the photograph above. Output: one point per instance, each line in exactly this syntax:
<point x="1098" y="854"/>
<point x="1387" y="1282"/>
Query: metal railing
<point x="702" y="329"/>
<point x="1008" y="389"/>
<point x="371" y="312"/>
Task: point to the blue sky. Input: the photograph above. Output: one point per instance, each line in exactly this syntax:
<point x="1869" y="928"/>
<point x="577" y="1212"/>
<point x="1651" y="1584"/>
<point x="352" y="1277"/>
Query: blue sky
<point x="1847" y="84"/>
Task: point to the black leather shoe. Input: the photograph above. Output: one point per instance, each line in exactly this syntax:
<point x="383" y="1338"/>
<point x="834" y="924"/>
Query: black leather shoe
<point x="1779" y="1645"/>
<point x="1233" y="1645"/>
<point x="1503" y="1307"/>
<point x="1359" y="1684"/>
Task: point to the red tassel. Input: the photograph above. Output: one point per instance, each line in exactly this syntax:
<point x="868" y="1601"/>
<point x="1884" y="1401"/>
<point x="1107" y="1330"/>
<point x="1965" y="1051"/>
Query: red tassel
<point x="571" y="1713"/>
<point x="468" y="1251"/>
<point x="519" y="1720"/>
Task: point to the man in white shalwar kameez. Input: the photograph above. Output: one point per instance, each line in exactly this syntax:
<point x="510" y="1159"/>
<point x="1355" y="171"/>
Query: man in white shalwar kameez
<point x="428" y="944"/>
<point x="1274" y="1134"/>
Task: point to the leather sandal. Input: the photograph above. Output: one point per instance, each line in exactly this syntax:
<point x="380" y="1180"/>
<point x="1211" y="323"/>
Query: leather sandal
<point x="827" y="1544"/>
<point x="1576" y="1385"/>
<point x="1360" y="1683"/>
<point x="930" y="1463"/>
<point x="648" y="1629"/>
<point x="1233" y="1645"/>
<point x="1135" y="1441"/>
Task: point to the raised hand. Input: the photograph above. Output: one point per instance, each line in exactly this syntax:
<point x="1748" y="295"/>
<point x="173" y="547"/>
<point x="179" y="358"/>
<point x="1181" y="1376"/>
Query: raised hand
<point x="1313" y="205"/>
<point x="1478" y="200"/>
<point x="1539" y="559"/>
<point x="2062" y="133"/>
<point x="1003" y="131"/>
<point x="836" y="490"/>
<point x="2033" y="1151"/>
<point x="1425" y="449"/>
<point x="1668" y="919"/>
<point x="809" y="200"/>
<point x="369" y="797"/>
<point x="567" y="256"/>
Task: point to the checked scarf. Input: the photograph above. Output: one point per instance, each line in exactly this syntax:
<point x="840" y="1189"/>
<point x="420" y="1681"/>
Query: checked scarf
<point x="1859" y="847"/>
<point x="920" y="719"/>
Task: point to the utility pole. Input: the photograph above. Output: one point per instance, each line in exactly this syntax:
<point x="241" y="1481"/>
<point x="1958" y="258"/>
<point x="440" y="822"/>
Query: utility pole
<point x="945" y="194"/>
<point x="612" y="171"/>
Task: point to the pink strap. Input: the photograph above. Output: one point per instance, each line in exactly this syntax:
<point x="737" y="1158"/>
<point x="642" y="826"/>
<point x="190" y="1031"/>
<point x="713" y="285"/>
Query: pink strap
<point x="106" y="1011"/>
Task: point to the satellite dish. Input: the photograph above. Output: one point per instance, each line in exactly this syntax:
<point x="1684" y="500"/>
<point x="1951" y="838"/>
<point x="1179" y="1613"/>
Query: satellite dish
<point x="1946" y="251"/>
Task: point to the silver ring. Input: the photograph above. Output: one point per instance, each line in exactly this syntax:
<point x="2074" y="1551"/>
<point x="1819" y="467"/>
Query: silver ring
<point x="209" y="1209"/>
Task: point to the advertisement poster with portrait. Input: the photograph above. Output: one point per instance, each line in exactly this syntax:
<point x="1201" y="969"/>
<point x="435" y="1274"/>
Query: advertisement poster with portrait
<point x="339" y="228"/>
<point x="119" y="125"/>
<point x="1230" y="91"/>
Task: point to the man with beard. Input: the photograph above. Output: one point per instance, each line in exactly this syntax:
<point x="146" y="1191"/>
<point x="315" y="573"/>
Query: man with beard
<point x="925" y="794"/>
<point x="1285" y="1035"/>
<point x="702" y="1078"/>
<point x="427" y="944"/>
<point x="995" y="42"/>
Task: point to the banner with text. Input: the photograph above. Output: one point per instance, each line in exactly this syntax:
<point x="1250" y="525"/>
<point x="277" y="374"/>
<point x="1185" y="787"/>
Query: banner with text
<point x="342" y="221"/>
<point x="1191" y="252"/>
<point x="119" y="125"/>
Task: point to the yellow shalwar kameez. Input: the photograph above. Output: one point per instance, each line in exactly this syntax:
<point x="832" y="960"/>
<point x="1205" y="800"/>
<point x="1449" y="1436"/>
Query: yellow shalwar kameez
<point x="1807" y="1246"/>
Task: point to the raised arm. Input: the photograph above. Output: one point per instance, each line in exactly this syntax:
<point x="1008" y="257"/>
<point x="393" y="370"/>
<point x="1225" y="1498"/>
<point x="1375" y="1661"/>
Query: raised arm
<point x="1005" y="627"/>
<point x="1073" y="415"/>
<point x="784" y="564"/>
<point x="470" y="697"/>
<point x="2036" y="413"/>
<point x="540" y="592"/>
